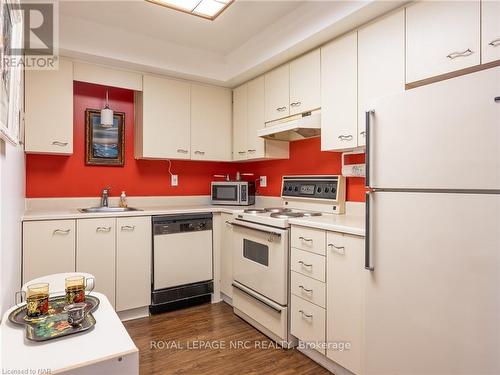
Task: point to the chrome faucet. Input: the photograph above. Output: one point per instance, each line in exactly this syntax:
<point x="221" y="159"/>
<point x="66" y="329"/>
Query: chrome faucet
<point x="104" y="197"/>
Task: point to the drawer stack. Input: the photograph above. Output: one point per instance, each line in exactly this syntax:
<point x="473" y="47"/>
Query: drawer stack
<point x="308" y="285"/>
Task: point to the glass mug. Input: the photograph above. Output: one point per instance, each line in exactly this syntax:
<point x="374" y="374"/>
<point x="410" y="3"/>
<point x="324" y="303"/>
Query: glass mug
<point x="75" y="287"/>
<point x="37" y="299"/>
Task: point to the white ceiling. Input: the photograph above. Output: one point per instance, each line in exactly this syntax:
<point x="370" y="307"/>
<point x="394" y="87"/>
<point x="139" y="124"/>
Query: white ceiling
<point x="233" y="27"/>
<point x="246" y="40"/>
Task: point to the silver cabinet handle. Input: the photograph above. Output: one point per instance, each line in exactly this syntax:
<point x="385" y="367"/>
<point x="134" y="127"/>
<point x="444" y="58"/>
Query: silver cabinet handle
<point x="229" y="224"/>
<point x="305" y="264"/>
<point x="281" y="109"/>
<point x="494" y="42"/>
<point x="241" y="152"/>
<point x="465" y="53"/>
<point x="182" y="151"/>
<point x="295" y="104"/>
<point x="128" y="227"/>
<point x="61" y="231"/>
<point x="305" y="314"/>
<point x="61" y="144"/>
<point x="198" y="152"/>
<point x="363" y="133"/>
<point x="103" y="229"/>
<point x="345" y="137"/>
<point x="338" y="249"/>
<point x="252" y="150"/>
<point x="305" y="289"/>
<point x="305" y="239"/>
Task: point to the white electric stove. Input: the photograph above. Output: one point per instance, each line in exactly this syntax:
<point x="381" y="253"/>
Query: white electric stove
<point x="261" y="250"/>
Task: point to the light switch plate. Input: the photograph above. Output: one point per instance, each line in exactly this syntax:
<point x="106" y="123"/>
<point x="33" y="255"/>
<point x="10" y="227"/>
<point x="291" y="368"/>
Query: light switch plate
<point x="174" y="180"/>
<point x="263" y="181"/>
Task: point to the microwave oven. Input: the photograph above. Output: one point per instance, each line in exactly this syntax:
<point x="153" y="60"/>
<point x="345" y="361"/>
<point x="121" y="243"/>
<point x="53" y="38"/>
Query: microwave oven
<point x="237" y="193"/>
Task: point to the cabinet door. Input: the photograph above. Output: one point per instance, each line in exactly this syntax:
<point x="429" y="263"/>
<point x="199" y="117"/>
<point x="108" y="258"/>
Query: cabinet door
<point x="240" y="122"/>
<point x="344" y="306"/>
<point x="381" y="63"/>
<point x="211" y="128"/>
<point x="226" y="270"/>
<point x="48" y="247"/>
<point x="49" y="110"/>
<point x="163" y="119"/>
<point x="441" y="37"/>
<point x="490" y="29"/>
<point x="133" y="262"/>
<point x="339" y="94"/>
<point x="95" y="254"/>
<point x="305" y="90"/>
<point x="277" y="93"/>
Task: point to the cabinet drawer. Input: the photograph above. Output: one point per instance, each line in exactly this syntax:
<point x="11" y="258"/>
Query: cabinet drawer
<point x="309" y="239"/>
<point x="308" y="323"/>
<point x="309" y="289"/>
<point x="309" y="264"/>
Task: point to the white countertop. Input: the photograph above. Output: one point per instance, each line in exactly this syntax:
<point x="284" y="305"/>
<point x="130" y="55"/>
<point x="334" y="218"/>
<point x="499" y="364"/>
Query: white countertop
<point x="338" y="223"/>
<point x="108" y="339"/>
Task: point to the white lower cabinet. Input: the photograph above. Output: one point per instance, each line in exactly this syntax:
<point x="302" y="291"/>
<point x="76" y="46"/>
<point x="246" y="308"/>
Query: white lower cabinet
<point x="308" y="323"/>
<point x="95" y="253"/>
<point x="344" y="305"/>
<point x="226" y="269"/>
<point x="48" y="248"/>
<point x="133" y="262"/>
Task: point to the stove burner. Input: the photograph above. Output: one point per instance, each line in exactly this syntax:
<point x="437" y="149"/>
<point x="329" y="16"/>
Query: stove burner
<point x="254" y="211"/>
<point x="310" y="214"/>
<point x="286" y="215"/>
<point x="277" y="209"/>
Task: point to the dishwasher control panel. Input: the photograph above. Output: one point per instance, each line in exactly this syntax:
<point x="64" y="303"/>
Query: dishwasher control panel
<point x="167" y="224"/>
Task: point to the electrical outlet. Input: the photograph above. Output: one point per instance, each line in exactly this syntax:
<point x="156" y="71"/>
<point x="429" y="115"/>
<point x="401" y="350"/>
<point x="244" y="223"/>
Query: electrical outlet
<point x="174" y="180"/>
<point x="263" y="181"/>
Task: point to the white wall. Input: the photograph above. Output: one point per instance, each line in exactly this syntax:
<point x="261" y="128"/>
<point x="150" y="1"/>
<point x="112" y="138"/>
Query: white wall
<point x="12" y="203"/>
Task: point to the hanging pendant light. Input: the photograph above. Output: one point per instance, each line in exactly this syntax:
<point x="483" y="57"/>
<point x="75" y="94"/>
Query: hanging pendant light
<point x="106" y="114"/>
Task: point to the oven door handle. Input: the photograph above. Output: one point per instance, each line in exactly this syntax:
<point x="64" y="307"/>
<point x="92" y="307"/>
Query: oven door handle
<point x="257" y="227"/>
<point x="272" y="305"/>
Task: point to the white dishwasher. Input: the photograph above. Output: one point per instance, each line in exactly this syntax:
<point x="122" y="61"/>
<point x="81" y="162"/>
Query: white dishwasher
<point x="182" y="271"/>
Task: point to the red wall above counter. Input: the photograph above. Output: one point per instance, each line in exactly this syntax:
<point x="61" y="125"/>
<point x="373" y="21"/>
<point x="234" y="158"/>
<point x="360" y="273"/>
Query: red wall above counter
<point x="67" y="176"/>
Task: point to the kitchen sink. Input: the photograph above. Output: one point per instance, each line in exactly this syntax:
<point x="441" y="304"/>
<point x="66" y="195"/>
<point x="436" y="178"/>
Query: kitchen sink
<point x="107" y="209"/>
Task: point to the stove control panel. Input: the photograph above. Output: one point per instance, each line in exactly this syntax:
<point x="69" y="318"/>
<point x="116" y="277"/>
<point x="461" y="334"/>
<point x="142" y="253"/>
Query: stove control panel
<point x="314" y="187"/>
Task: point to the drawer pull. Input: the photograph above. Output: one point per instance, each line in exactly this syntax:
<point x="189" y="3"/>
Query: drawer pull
<point x="338" y="249"/>
<point x="305" y="264"/>
<point x="363" y="133"/>
<point x="280" y="109"/>
<point x="305" y="239"/>
<point x="252" y="150"/>
<point x="305" y="289"/>
<point x="61" y="231"/>
<point x="128" y="227"/>
<point x="295" y="104"/>
<point x="494" y="42"/>
<point x="61" y="144"/>
<point x="103" y="229"/>
<point x="182" y="151"/>
<point x="306" y="314"/>
<point x="229" y="224"/>
<point x="465" y="53"/>
<point x="345" y="137"/>
<point x="198" y="152"/>
<point x="241" y="152"/>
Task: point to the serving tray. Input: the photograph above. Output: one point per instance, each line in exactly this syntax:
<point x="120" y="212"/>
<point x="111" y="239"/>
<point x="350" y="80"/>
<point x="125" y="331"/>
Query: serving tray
<point x="54" y="324"/>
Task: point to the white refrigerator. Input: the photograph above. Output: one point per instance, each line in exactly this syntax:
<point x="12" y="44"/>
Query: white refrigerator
<point x="432" y="254"/>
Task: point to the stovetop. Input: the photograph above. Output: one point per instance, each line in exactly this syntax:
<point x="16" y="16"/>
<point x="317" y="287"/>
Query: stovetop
<point x="274" y="216"/>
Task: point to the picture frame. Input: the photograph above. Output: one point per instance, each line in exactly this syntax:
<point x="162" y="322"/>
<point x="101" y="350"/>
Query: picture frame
<point x="104" y="146"/>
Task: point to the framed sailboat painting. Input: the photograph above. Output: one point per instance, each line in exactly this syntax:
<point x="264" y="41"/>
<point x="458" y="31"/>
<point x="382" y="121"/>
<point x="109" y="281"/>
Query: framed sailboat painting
<point x="104" y="145"/>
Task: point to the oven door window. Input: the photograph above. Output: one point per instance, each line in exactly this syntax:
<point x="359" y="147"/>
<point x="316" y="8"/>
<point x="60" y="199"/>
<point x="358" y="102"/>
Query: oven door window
<point x="225" y="193"/>
<point x="256" y="252"/>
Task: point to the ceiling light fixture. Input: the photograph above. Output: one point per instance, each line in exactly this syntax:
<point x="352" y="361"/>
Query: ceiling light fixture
<point x="106" y="114"/>
<point x="208" y="9"/>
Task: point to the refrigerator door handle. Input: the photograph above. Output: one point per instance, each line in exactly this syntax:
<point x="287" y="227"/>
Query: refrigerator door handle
<point x="368" y="265"/>
<point x="367" y="147"/>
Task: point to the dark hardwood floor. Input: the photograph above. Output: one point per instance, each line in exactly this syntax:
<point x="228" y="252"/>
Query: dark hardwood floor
<point x="172" y="343"/>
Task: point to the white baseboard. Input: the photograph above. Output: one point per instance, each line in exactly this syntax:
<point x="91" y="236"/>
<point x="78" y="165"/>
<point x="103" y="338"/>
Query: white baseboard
<point x="323" y="361"/>
<point x="140" y="312"/>
<point x="226" y="299"/>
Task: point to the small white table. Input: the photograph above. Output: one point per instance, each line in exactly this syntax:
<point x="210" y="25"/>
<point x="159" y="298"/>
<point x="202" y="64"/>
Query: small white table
<point x="106" y="349"/>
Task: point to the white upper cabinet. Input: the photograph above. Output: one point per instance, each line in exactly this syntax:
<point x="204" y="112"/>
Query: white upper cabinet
<point x="490" y="30"/>
<point x="211" y="127"/>
<point x="162" y="129"/>
<point x="339" y="94"/>
<point x="49" y="110"/>
<point x="277" y="93"/>
<point x="381" y="63"/>
<point x="240" y="122"/>
<point x="257" y="146"/>
<point x="441" y="37"/>
<point x="305" y="83"/>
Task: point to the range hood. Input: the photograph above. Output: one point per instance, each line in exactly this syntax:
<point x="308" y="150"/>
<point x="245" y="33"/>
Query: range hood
<point x="293" y="128"/>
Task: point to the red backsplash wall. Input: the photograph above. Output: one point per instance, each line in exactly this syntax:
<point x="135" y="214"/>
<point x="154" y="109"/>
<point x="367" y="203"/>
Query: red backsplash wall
<point x="68" y="176"/>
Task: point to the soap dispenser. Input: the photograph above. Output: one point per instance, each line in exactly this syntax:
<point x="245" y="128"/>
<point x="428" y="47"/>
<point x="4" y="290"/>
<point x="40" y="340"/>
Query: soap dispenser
<point x="123" y="200"/>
